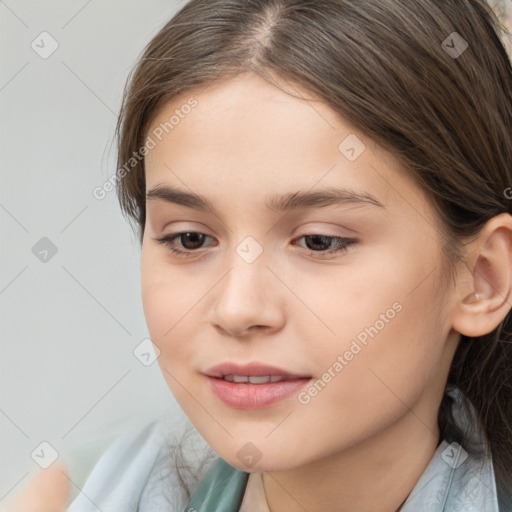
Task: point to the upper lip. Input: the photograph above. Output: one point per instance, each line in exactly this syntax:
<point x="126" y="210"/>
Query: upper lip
<point x="251" y="369"/>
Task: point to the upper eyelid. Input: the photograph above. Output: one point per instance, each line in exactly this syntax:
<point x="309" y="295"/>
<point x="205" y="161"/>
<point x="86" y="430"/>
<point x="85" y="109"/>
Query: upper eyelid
<point x="293" y="216"/>
<point x="310" y="230"/>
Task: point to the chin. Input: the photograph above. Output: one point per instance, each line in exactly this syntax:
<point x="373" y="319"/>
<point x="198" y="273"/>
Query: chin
<point x="274" y="462"/>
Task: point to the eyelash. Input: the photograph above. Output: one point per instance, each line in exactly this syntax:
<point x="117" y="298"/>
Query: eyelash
<point x="344" y="244"/>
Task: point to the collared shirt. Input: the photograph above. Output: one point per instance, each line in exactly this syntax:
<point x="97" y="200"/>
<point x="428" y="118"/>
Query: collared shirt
<point x="134" y="476"/>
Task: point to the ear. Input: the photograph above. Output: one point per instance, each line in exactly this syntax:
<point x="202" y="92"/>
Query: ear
<point x="484" y="286"/>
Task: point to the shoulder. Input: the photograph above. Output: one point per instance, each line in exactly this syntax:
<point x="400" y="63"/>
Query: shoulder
<point x="136" y="472"/>
<point x="46" y="491"/>
<point x="120" y="471"/>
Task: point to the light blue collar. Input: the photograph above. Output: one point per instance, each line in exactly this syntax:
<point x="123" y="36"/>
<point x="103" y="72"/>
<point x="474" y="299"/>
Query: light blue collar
<point x="455" y="481"/>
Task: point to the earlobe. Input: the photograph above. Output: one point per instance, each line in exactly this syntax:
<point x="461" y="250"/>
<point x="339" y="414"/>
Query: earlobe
<point x="485" y="298"/>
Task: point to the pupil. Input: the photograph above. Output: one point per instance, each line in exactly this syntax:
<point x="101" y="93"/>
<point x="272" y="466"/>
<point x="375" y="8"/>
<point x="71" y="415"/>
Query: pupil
<point x="196" y="238"/>
<point x="316" y="238"/>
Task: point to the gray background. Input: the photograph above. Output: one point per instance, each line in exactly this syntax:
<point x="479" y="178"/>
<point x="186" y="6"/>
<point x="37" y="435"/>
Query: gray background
<point x="69" y="324"/>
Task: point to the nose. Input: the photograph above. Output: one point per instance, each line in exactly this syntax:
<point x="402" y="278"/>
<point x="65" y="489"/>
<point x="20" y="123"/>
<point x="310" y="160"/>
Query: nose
<point x="248" y="299"/>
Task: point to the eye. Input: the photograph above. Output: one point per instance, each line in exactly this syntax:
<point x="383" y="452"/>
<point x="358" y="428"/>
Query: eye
<point x="320" y="241"/>
<point x="191" y="241"/>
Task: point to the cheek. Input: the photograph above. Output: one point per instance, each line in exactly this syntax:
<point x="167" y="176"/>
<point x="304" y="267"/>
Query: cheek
<point x="158" y="303"/>
<point x="165" y="308"/>
<point x="165" y="302"/>
<point x="388" y="342"/>
<point x="370" y="389"/>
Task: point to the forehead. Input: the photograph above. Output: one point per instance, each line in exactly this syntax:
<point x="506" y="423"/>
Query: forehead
<point x="248" y="114"/>
<point x="249" y="137"/>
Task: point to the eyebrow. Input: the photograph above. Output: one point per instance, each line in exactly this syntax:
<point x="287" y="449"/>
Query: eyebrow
<point x="283" y="203"/>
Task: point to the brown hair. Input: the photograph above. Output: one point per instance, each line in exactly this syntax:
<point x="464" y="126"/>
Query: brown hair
<point x="385" y="66"/>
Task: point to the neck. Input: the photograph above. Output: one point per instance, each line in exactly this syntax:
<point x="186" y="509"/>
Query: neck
<point x="375" y="475"/>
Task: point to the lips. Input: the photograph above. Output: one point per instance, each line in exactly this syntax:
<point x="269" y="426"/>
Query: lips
<point x="251" y="370"/>
<point x="254" y="385"/>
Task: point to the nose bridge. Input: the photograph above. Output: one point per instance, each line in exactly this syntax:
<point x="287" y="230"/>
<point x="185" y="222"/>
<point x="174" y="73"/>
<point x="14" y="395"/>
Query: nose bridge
<point x="248" y="268"/>
<point x="246" y="296"/>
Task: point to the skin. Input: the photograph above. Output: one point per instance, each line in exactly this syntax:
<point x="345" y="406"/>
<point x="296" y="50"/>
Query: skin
<point x="47" y="491"/>
<point x="363" y="442"/>
<point x="365" y="439"/>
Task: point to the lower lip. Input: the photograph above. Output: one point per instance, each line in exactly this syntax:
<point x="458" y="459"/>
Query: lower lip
<point x="254" y="396"/>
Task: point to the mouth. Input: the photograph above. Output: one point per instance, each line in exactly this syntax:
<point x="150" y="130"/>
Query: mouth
<point x="251" y="373"/>
<point x="254" y="379"/>
<point x="253" y="386"/>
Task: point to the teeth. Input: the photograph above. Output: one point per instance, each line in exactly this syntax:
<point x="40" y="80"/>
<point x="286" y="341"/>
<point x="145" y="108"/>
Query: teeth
<point x="253" y="379"/>
<point x="259" y="380"/>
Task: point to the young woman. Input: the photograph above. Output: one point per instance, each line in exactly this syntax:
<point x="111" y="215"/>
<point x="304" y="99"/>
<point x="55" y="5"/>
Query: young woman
<point x="323" y="194"/>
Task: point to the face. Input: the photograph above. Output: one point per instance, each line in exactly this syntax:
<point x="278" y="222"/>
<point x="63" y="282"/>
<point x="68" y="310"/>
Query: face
<point x="342" y="294"/>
